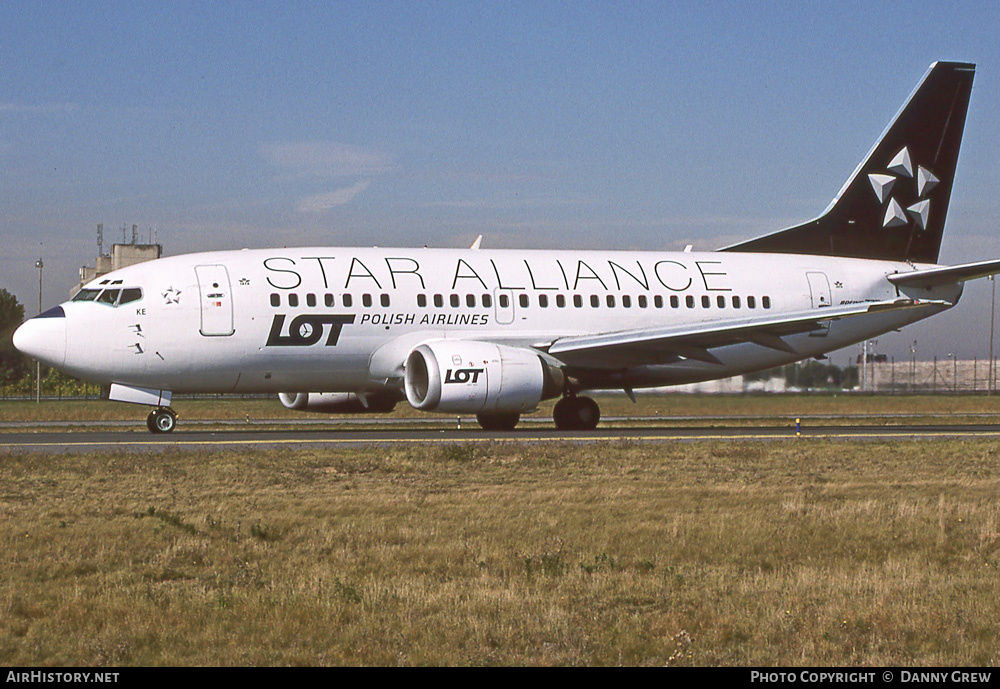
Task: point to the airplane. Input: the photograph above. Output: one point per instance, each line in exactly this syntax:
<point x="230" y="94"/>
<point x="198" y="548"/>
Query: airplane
<point x="495" y="332"/>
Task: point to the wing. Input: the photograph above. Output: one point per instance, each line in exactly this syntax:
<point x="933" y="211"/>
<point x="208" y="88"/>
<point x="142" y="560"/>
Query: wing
<point x="669" y="344"/>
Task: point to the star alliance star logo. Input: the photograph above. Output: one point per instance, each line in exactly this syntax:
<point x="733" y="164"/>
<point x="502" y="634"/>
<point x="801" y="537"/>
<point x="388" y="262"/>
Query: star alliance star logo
<point x="172" y="296"/>
<point x="901" y="167"/>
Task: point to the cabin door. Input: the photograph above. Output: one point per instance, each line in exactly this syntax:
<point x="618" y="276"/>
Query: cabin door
<point x="216" y="296"/>
<point x="819" y="293"/>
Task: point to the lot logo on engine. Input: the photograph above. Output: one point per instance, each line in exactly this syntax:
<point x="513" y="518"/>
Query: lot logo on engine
<point x="306" y="330"/>
<point x="462" y="375"/>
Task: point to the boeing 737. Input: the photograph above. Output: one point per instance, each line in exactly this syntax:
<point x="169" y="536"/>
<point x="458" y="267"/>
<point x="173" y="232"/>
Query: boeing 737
<point x="494" y="333"/>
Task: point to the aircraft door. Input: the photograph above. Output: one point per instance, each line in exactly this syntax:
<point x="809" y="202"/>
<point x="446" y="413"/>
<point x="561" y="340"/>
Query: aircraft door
<point x="503" y="300"/>
<point x="216" y="300"/>
<point x="819" y="294"/>
<point x="819" y="290"/>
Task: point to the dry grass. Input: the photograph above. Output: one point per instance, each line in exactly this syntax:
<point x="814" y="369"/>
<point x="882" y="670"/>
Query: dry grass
<point x="791" y="553"/>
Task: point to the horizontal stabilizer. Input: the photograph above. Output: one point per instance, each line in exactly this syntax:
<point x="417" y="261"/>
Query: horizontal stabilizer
<point x="947" y="275"/>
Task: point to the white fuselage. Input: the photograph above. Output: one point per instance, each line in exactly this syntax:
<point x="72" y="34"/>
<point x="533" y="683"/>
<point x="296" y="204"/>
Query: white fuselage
<point x="344" y="319"/>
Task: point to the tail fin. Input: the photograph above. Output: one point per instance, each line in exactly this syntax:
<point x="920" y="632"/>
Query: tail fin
<point x="895" y="203"/>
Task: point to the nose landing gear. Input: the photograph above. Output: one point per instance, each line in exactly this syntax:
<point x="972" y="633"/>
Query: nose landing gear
<point x="161" y="420"/>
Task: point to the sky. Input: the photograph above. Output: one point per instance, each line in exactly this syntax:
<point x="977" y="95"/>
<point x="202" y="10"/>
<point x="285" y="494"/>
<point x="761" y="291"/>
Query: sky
<point x="590" y="125"/>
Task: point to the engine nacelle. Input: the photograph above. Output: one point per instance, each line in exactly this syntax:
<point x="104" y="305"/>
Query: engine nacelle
<point x="337" y="402"/>
<point x="469" y="377"/>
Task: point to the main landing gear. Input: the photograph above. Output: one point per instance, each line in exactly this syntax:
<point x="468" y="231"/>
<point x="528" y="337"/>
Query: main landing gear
<point x="573" y="413"/>
<point x="161" y="420"/>
<point x="498" y="422"/>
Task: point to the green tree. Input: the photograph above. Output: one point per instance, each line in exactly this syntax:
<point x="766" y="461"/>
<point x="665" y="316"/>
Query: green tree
<point x="13" y="364"/>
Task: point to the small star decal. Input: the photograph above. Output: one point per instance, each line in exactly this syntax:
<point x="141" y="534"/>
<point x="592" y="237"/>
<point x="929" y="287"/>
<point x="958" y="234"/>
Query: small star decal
<point x="838" y="284"/>
<point x="172" y="296"/>
<point x="244" y="281"/>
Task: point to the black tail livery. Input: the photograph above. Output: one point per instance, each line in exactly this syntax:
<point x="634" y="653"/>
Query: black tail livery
<point x="894" y="205"/>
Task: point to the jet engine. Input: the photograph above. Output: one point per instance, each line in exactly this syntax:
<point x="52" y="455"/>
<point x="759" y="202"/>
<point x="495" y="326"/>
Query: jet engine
<point x="338" y="402"/>
<point x="469" y="377"/>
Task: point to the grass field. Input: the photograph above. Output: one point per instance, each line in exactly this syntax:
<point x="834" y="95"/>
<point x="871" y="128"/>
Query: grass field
<point x="675" y="409"/>
<point x="780" y="553"/>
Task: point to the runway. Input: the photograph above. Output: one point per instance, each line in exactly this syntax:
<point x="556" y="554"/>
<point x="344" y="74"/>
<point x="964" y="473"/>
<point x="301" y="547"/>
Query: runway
<point x="79" y="441"/>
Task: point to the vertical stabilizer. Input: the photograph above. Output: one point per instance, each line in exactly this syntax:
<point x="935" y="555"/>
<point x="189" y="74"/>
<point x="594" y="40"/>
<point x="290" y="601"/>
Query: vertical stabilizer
<point x="894" y="205"/>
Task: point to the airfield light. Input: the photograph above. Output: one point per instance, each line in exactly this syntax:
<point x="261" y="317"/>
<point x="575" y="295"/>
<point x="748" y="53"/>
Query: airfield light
<point x="38" y="364"/>
<point x="991" y="378"/>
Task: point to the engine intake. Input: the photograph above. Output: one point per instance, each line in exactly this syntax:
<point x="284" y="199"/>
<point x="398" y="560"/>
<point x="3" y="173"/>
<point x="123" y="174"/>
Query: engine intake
<point x="469" y="377"/>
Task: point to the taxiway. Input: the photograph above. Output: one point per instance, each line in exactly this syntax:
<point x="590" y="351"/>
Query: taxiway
<point x="78" y="441"/>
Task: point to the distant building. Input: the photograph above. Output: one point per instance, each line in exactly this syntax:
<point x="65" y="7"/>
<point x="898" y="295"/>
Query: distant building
<point x="872" y="359"/>
<point x="121" y="256"/>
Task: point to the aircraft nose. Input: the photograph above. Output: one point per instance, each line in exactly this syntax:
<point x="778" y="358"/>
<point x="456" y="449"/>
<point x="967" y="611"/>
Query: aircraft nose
<point x="44" y="337"/>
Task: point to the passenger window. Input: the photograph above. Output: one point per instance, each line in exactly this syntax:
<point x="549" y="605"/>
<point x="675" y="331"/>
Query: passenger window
<point x="543" y="301"/>
<point x="366" y="300"/>
<point x="706" y="303"/>
<point x="487" y="301"/>
<point x="275" y="299"/>
<point x="577" y="301"/>
<point x="674" y="301"/>
<point x="470" y="299"/>
<point x="347" y="300"/>
<point x="523" y="299"/>
<point x="751" y="302"/>
<point x="560" y="301"/>
<point x="384" y="300"/>
<point x="438" y="301"/>
<point x="328" y="299"/>
<point x="310" y="300"/>
<point x="642" y="301"/>
<point x="455" y="303"/>
<point x="627" y="301"/>
<point x="504" y="301"/>
<point x="721" y="301"/>
<point x="293" y="300"/>
<point x="765" y="302"/>
<point x="595" y="301"/>
<point x="421" y="300"/>
<point x="736" y="302"/>
<point x="611" y="301"/>
<point x="689" y="300"/>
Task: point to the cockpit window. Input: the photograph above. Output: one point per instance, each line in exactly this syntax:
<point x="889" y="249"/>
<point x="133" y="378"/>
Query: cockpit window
<point x="87" y="295"/>
<point x="130" y="294"/>
<point x="109" y="296"/>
